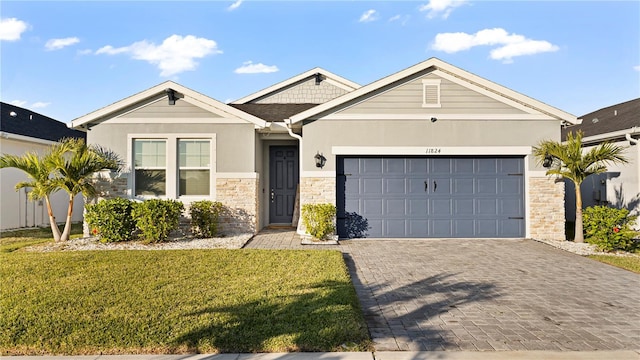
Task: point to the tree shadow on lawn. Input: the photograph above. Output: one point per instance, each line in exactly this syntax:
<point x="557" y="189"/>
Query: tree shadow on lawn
<point x="408" y="317"/>
<point x="321" y="318"/>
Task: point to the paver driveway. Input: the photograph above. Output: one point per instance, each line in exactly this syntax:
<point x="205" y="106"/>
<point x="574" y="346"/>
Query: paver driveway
<point x="492" y="295"/>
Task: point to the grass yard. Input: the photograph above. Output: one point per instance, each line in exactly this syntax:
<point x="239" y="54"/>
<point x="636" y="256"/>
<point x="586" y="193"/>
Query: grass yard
<point x="631" y="263"/>
<point x="13" y="240"/>
<point x="190" y="301"/>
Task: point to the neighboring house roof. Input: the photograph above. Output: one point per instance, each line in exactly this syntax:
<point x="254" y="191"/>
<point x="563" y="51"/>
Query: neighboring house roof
<point x="19" y="121"/>
<point x="623" y="117"/>
<point x="446" y="70"/>
<point x="159" y="90"/>
<point x="332" y="78"/>
<point x="273" y="112"/>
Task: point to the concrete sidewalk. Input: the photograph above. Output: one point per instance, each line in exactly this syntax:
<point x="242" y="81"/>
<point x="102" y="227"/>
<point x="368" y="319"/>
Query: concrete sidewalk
<point x="378" y="355"/>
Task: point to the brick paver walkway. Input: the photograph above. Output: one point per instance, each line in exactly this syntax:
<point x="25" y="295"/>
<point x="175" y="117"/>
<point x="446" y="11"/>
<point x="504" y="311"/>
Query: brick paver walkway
<point x="485" y="295"/>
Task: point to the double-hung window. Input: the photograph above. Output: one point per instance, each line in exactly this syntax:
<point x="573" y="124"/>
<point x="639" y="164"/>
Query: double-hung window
<point x="150" y="166"/>
<point x="194" y="164"/>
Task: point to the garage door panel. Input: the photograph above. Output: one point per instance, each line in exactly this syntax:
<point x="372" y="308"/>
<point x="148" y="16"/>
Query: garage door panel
<point x="472" y="197"/>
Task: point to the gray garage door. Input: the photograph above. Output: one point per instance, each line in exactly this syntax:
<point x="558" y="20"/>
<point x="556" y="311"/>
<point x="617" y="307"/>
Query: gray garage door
<point x="418" y="197"/>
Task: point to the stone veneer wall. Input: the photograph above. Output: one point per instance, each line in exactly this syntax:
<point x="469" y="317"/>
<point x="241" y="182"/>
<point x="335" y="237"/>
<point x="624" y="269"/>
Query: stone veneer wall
<point x="240" y="199"/>
<point x="546" y="200"/>
<point x="316" y="190"/>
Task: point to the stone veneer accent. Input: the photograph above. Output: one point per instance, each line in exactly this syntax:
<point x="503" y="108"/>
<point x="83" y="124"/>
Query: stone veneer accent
<point x="546" y="204"/>
<point x="240" y="200"/>
<point x="306" y="92"/>
<point x="316" y="190"/>
<point x="239" y="197"/>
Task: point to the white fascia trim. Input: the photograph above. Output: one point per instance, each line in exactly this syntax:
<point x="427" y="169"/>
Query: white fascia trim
<point x="10" y="136"/>
<point x="222" y="109"/>
<point x="610" y="136"/>
<point x="237" y="175"/>
<point x="428" y="116"/>
<point x="431" y="150"/>
<point x="317" y="174"/>
<point x="213" y="120"/>
<point x="439" y="65"/>
<point x="337" y="80"/>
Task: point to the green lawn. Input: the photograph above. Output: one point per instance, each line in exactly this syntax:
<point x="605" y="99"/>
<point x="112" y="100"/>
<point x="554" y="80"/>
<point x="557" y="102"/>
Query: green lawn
<point x="206" y="301"/>
<point x="631" y="263"/>
<point x="13" y="240"/>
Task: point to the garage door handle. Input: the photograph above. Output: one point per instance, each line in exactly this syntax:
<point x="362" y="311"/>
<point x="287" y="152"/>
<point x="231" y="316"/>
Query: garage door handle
<point x="426" y="185"/>
<point x="516" y="218"/>
<point x="435" y="186"/>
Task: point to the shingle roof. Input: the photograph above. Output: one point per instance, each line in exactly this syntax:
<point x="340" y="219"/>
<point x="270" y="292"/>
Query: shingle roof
<point x="273" y="112"/>
<point x="32" y="124"/>
<point x="617" y="117"/>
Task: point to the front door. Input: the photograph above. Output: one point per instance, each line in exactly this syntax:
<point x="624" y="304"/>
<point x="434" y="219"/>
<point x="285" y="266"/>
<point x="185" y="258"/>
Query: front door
<point x="283" y="182"/>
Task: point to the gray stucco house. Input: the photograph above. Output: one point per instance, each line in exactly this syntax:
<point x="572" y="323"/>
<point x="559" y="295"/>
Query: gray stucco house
<point x="430" y="151"/>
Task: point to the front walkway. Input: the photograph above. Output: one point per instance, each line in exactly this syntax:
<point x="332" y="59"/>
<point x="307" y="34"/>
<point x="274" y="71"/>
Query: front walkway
<point x="485" y="295"/>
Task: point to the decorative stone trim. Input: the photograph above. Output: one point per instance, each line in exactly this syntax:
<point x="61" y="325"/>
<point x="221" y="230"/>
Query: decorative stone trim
<point x="240" y="199"/>
<point x="546" y="200"/>
<point x="316" y="190"/>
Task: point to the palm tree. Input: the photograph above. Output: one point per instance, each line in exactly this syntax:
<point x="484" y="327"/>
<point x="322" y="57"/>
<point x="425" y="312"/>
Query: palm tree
<point x="38" y="170"/>
<point x="75" y="165"/>
<point x="69" y="166"/>
<point x="569" y="161"/>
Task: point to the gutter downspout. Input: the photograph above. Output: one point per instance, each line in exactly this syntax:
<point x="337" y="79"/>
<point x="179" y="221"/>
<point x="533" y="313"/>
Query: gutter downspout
<point x="635" y="142"/>
<point x="287" y="125"/>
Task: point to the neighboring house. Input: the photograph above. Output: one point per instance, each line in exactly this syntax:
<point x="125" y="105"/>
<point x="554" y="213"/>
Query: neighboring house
<point x="620" y="185"/>
<point x="430" y="151"/>
<point x="22" y="130"/>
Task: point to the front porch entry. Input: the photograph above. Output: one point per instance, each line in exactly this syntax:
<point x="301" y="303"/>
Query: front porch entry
<point x="283" y="183"/>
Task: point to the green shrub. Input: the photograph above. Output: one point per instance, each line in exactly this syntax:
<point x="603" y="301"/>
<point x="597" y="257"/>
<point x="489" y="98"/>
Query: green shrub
<point x="157" y="218"/>
<point x="609" y="228"/>
<point x="111" y="219"/>
<point x="319" y="219"/>
<point x="204" y="218"/>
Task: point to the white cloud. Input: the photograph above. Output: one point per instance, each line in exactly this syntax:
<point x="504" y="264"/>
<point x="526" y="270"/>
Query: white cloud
<point x="248" y="67"/>
<point x="442" y="8"/>
<point x="85" y="52"/>
<point x="57" y="44"/>
<point x="40" y="104"/>
<point x="236" y="4"/>
<point x="402" y="19"/>
<point x="509" y="45"/>
<point x="176" y="54"/>
<point x="11" y="29"/>
<point x="368" y="16"/>
<point x="20" y="103"/>
<point x="636" y="68"/>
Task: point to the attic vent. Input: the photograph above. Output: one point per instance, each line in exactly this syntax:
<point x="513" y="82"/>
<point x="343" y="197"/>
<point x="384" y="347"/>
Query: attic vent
<point x="431" y="93"/>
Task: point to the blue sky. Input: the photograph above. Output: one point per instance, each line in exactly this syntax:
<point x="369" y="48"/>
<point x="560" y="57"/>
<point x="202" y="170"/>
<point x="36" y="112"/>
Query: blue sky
<point x="65" y="59"/>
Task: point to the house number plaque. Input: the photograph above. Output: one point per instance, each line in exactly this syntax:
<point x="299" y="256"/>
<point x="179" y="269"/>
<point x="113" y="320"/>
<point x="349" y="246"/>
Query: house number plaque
<point x="433" y="151"/>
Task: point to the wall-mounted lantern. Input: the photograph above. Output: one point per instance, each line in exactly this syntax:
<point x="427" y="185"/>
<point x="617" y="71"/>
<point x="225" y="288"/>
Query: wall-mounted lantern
<point x="320" y="160"/>
<point x="548" y="161"/>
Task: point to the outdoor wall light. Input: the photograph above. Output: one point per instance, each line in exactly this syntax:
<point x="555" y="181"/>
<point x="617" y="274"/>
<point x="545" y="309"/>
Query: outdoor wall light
<point x="320" y="160"/>
<point x="548" y="160"/>
<point x="172" y="95"/>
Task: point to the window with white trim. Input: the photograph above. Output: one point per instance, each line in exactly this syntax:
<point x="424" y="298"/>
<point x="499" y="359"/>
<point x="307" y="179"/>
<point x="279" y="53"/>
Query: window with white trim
<point x="150" y="166"/>
<point x="431" y="93"/>
<point x="194" y="166"/>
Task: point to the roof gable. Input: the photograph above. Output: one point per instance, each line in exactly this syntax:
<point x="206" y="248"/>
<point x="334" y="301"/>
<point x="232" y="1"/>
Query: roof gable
<point x="442" y="70"/>
<point x="20" y="121"/>
<point x="147" y="99"/>
<point x="314" y="86"/>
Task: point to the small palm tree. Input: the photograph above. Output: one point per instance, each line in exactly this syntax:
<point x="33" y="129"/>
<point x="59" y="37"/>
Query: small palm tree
<point x="69" y="166"/>
<point x="570" y="161"/>
<point x="39" y="170"/>
<point x="75" y="165"/>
